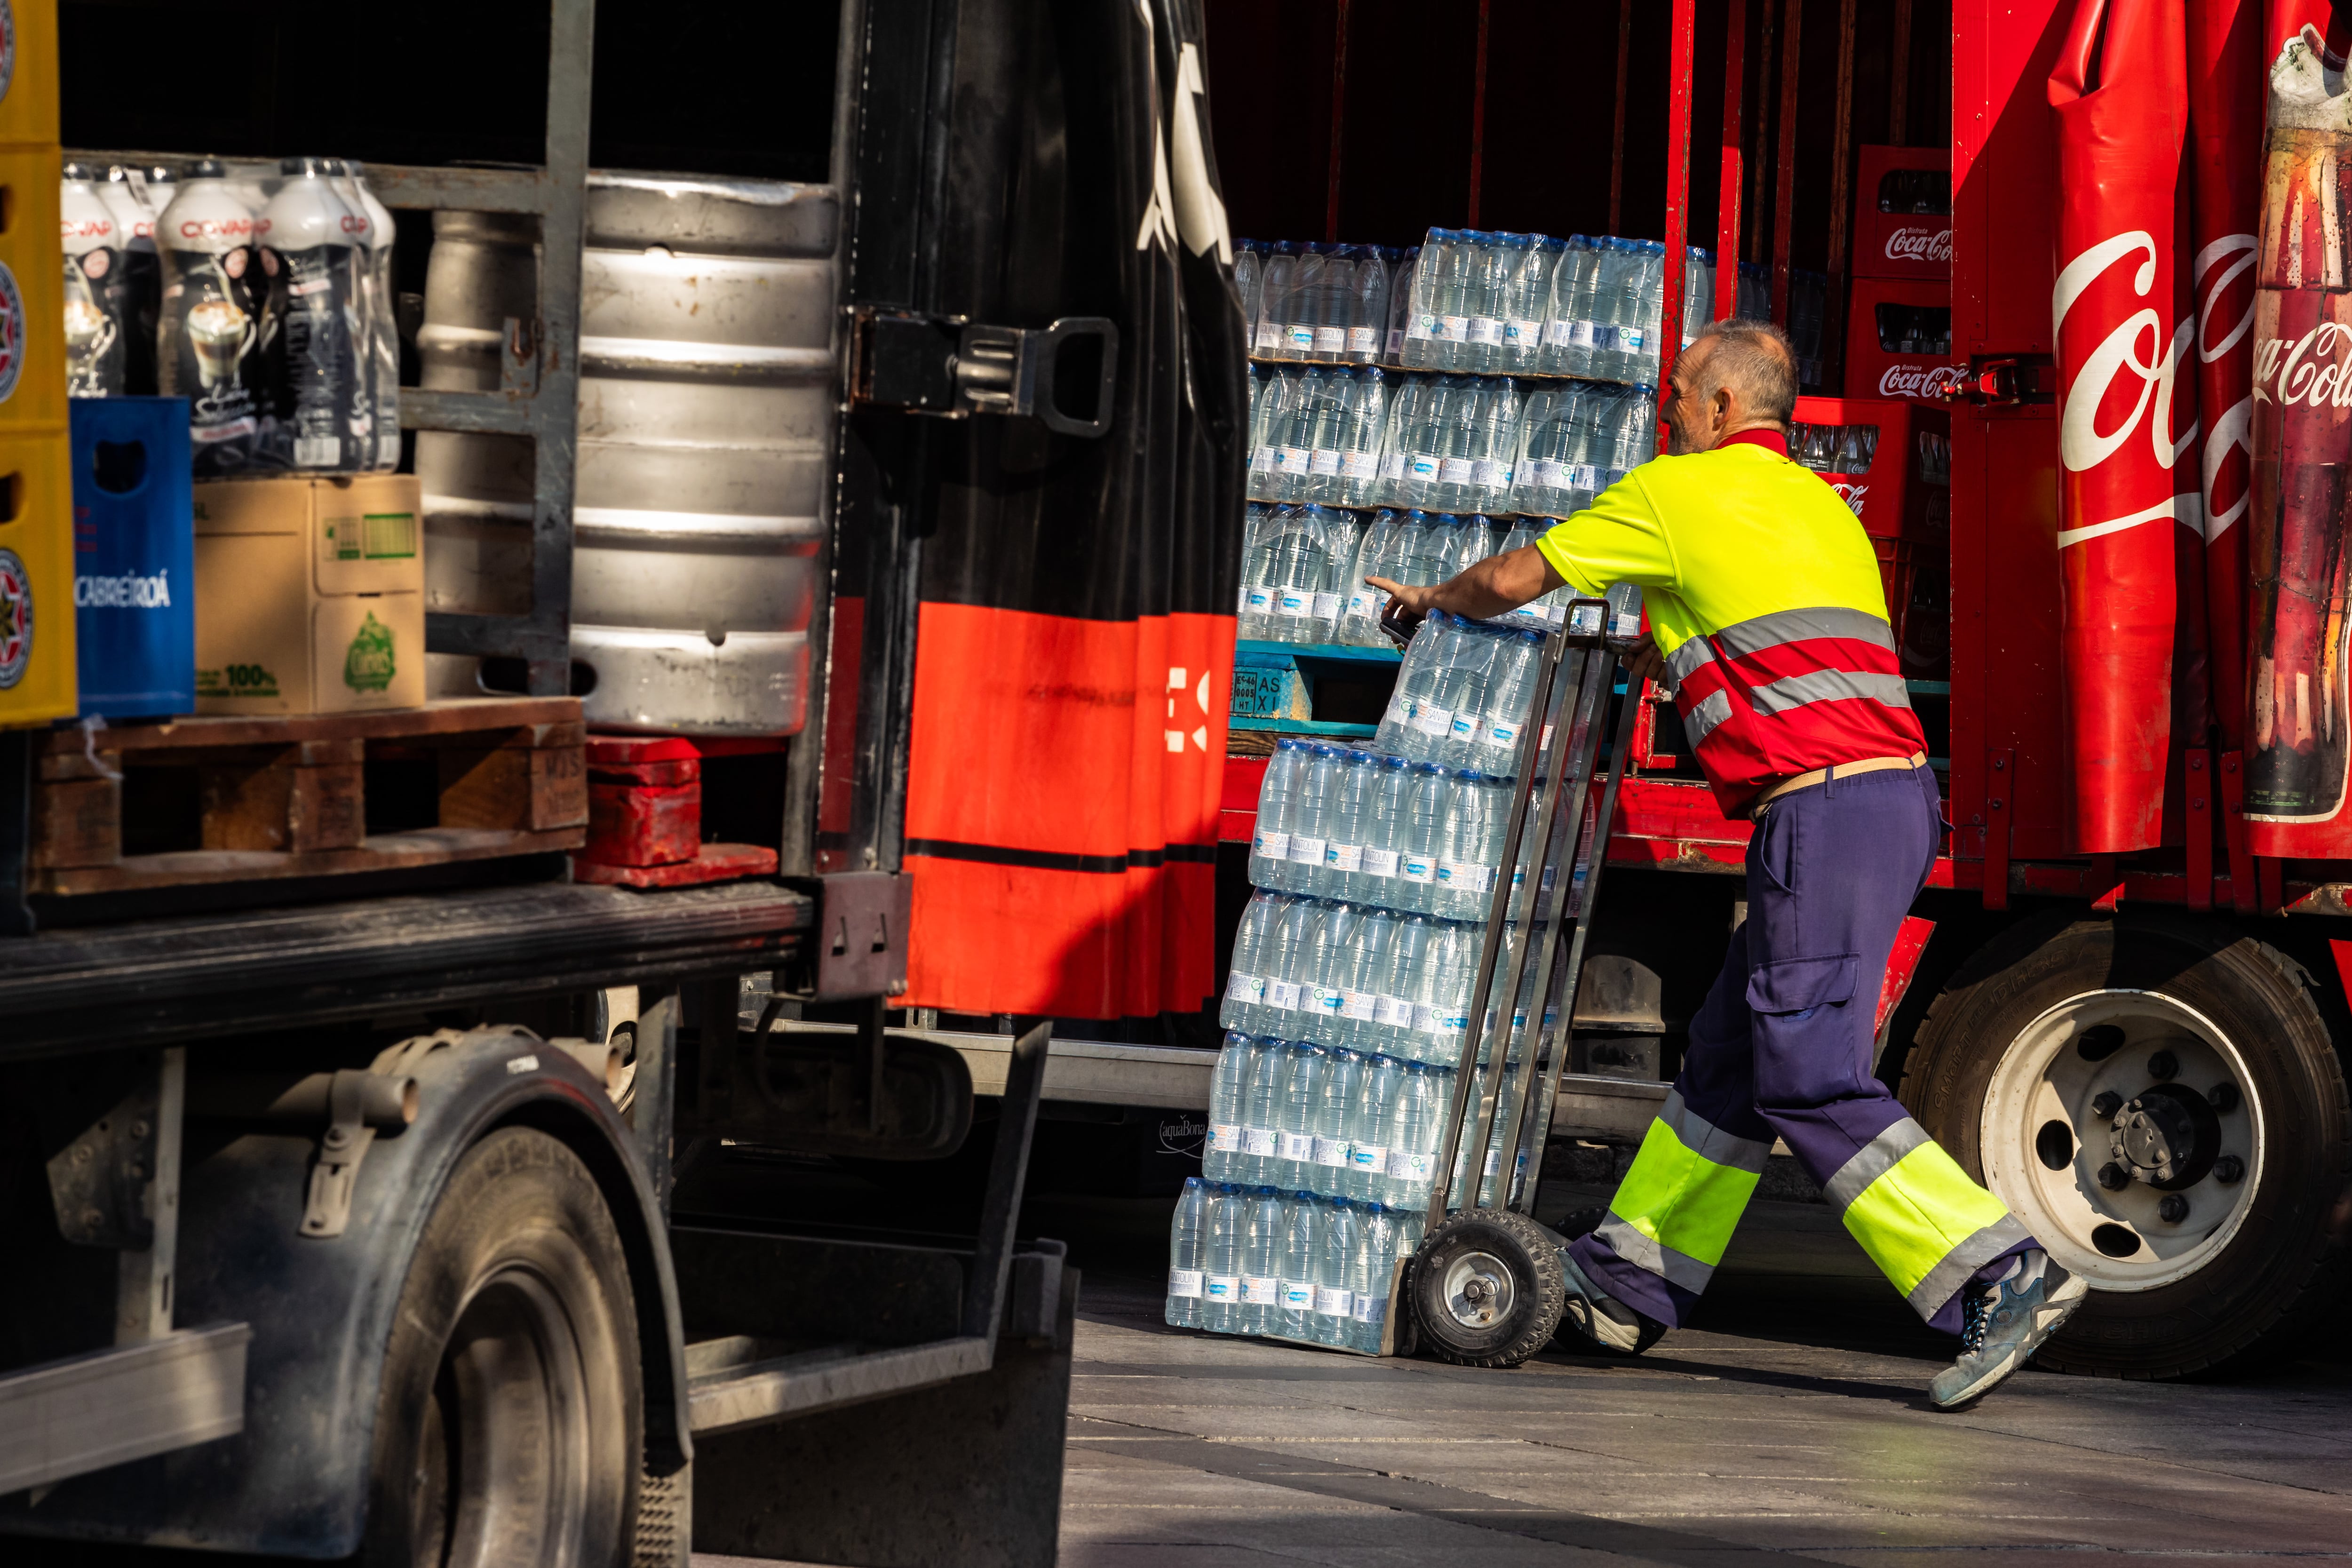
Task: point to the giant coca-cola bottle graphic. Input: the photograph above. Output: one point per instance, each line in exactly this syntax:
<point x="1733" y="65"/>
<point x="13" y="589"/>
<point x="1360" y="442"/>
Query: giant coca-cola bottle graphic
<point x="2297" y="710"/>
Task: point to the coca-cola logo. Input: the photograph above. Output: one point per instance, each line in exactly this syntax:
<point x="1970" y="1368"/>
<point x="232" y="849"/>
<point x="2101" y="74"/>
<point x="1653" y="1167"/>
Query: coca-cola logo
<point x="2081" y="443"/>
<point x="1920" y="245"/>
<point x="2309" y="371"/>
<point x="87" y="228"/>
<point x="1851" y="494"/>
<point x="354" y="224"/>
<point x="1932" y="382"/>
<point x="216" y="228"/>
<point x="2224" y="272"/>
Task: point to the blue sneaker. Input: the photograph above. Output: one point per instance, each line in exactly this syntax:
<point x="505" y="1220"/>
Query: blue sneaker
<point x="1601" y="1317"/>
<point x="2005" y="1323"/>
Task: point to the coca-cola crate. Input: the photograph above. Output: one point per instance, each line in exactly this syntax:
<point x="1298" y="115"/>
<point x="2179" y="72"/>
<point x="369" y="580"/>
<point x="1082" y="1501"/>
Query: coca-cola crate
<point x="1898" y="339"/>
<point x="1890" y="461"/>
<point x="1902" y="214"/>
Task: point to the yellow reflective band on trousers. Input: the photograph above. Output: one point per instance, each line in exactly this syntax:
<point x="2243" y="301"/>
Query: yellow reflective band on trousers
<point x="1676" y="1210"/>
<point x="1918" y="1215"/>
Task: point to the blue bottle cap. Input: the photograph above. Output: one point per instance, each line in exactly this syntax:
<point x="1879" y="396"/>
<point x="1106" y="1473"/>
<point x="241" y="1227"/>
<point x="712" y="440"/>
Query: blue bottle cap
<point x="1430" y="768"/>
<point x="1396" y="762"/>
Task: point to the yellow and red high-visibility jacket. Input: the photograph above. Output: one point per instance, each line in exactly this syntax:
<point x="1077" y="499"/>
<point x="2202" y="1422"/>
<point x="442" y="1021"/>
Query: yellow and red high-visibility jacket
<point x="1764" y="595"/>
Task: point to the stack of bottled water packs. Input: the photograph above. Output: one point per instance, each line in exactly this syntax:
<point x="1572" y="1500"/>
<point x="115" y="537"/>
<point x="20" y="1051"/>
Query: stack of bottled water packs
<point x="1348" y="1001"/>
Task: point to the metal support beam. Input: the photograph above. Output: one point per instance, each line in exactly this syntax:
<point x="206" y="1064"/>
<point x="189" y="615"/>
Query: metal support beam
<point x="1840" y="205"/>
<point x="653" y="1108"/>
<point x="1733" y="171"/>
<point x="67" y="1418"/>
<point x="1784" y="200"/>
<point x="144" y="1277"/>
<point x="1000" y="1212"/>
<point x="1684" y="45"/>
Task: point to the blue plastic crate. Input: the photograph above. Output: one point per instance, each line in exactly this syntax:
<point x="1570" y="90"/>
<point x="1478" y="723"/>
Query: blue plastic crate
<point x="134" y="557"/>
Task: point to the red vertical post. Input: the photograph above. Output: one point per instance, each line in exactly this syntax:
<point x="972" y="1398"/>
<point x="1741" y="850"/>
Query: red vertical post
<point x="1678" y="158"/>
<point x="1784" y="199"/>
<point x="1339" y="120"/>
<point x="1898" y="77"/>
<point x="1727" y="225"/>
<point x="1478" y="119"/>
<point x="1617" y="139"/>
<point x="1841" y="203"/>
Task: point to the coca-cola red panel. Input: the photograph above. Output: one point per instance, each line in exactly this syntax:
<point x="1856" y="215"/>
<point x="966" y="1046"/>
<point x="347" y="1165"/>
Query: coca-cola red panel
<point x="1899" y="340"/>
<point x="2127" y="422"/>
<point x="2297" y="715"/>
<point x="1890" y="461"/>
<point x="1902" y="214"/>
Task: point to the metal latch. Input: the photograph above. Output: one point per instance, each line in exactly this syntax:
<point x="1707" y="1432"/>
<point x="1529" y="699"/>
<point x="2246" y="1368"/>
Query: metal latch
<point x="861" y="946"/>
<point x="2001" y="383"/>
<point x="950" y="367"/>
<point x="358" y="1102"/>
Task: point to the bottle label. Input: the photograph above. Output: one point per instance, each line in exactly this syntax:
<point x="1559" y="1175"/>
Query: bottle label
<point x="1334" y="1302"/>
<point x="1292" y="460"/>
<point x="1224" y="1287"/>
<point x="1261" y="601"/>
<point x="1547" y="473"/>
<point x="1466" y="725"/>
<point x="1494" y="1160"/>
<point x="1503" y="735"/>
<point x="1464" y="875"/>
<point x="1583" y="477"/>
<point x="1432" y="722"/>
<point x="1272" y="843"/>
<point x="1492" y="474"/>
<point x="1240" y="987"/>
<point x="1604" y="336"/>
<point x="1298" y="1146"/>
<point x="1454" y="329"/>
<point x="1359" y="606"/>
<point x="1371" y="1309"/>
<point x="1407" y="1166"/>
<point x="1392" y="466"/>
<point x="1300" y="337"/>
<point x="1585" y="334"/>
<point x="1185" y="1282"/>
<point x="1324" y="460"/>
<point x="1327" y="607"/>
<point x="1392" y="1012"/>
<point x="1258" y="1140"/>
<point x="1423" y="465"/>
<point x="1262" y="460"/>
<point x="1331" y="1152"/>
<point x="1328" y="1001"/>
<point x="1344" y="856"/>
<point x="1297" y="602"/>
<point x="1630" y="339"/>
<point x="1399" y="710"/>
<point x="1379" y="862"/>
<point x="1331" y="340"/>
<point x="1357" y="1006"/>
<point x="1521" y="333"/>
<point x="1440" y="1020"/>
<point x="1364" y="340"/>
<point x="1396" y="343"/>
<point x="1258" y="1290"/>
<point x="1558" y="334"/>
<point x="1369" y="1157"/>
<point x="1416" y="867"/>
<point x="1269" y="337"/>
<point x="1485" y="329"/>
<point x="1422" y="326"/>
<point x="1457" y="472"/>
<point x="1282" y="995"/>
<point x="1306" y="851"/>
<point x="1297" y="1295"/>
<point x="1225" y="1137"/>
<point x="1359" y="465"/>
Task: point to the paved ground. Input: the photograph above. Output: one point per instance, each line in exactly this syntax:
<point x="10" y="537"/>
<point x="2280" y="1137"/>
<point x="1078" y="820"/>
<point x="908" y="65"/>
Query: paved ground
<point x="1791" y="1423"/>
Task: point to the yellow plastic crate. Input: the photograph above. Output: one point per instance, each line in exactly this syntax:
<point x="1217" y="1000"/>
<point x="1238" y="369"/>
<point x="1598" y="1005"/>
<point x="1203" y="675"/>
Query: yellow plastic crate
<point x="37" y="580"/>
<point x="28" y="58"/>
<point x="32" y="293"/>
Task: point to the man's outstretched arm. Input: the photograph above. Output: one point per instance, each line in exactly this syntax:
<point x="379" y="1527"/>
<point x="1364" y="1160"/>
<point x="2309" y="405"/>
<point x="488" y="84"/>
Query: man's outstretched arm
<point x="1481" y="591"/>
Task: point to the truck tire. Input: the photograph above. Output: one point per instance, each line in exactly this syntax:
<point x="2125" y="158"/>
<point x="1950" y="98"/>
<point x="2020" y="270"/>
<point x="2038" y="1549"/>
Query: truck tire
<point x="511" y="1424"/>
<point x="2158" y="1100"/>
<point x="1486" y="1289"/>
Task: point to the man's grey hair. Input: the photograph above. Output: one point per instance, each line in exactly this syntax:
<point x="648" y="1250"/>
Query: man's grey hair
<point x="1755" y="359"/>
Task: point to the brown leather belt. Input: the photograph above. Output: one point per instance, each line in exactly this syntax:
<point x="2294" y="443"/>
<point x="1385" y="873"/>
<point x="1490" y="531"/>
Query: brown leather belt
<point x="1840" y="770"/>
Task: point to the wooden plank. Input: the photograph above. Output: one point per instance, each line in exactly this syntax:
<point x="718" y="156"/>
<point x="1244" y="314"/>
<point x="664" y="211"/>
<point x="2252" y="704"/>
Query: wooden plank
<point x="559" y="787"/>
<point x="78" y="822"/>
<point x="244" y="807"/>
<point x="455" y="716"/>
<point x="378" y="852"/>
<point x="485" y="788"/>
<point x="327" y="809"/>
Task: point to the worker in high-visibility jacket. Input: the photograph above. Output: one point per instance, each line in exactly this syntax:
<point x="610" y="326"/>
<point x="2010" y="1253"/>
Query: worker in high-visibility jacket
<point x="1766" y="610"/>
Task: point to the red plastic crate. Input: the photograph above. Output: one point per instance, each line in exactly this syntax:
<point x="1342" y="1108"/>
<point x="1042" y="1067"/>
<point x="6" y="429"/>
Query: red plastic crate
<point x="1907" y="244"/>
<point x="1877" y="361"/>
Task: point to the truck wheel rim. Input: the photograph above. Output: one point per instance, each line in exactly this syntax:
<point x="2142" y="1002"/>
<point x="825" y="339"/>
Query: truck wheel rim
<point x="2189" y="1147"/>
<point x="1479" y="1289"/>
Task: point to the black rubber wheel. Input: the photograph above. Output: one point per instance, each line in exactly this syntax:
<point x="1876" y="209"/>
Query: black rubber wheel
<point x="510" y="1427"/>
<point x="2272" y="1257"/>
<point x="1575" y="1340"/>
<point x="1486" y="1288"/>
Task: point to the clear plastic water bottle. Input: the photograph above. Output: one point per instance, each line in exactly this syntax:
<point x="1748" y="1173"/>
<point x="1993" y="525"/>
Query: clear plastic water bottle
<point x="1494" y="446"/>
<point x="1463" y="686"/>
<point x="1331" y="413"/>
<point x="1424" y="440"/>
<point x="1699" y="296"/>
<point x="1405" y="395"/>
<point x="1460" y="889"/>
<point x="1261" y="1105"/>
<point x="1421" y="559"/>
<point x="1416" y="678"/>
<point x="1378" y="556"/>
<point x="1277" y="792"/>
<point x="1368" y="1156"/>
<point x="1532" y="264"/>
<point x="1278" y="275"/>
<point x="1518" y="664"/>
<point x="1345" y="533"/>
<point x="1249" y="281"/>
<point x="1438" y="319"/>
<point x="1426" y="812"/>
<point x="1228" y="1083"/>
<point x="1413" y="1138"/>
<point x="1312" y="305"/>
<point x="1302" y="1085"/>
<point x="1187" y="1249"/>
<point x="1344" y="1071"/>
<point x="1322" y="965"/>
<point x="1309" y="819"/>
<point x="1571" y="287"/>
<point x="1635" y="432"/>
<point x="1301" y="1247"/>
<point x="1261" y="1261"/>
<point x="1392" y="1027"/>
<point x="1246" y="979"/>
<point x="1290" y="432"/>
<point x="1363" y="977"/>
<point x="1547" y="449"/>
<point x="1441" y="1003"/>
<point x="1430" y="720"/>
<point x="1346" y="471"/>
<point x="1367" y="304"/>
<point x="1345" y="820"/>
<point x="1271" y="415"/>
<point x="1370" y="1275"/>
<point x="1335" y="1301"/>
<point x="1486" y="299"/>
<point x="1302" y="560"/>
<point x="1400" y="283"/>
<point x="1374" y="882"/>
<point x="1220" y="1295"/>
<point x="1285" y="941"/>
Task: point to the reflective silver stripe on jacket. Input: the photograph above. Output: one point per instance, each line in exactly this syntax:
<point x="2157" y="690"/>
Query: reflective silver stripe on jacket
<point x="1763" y="631"/>
<point x="1708" y="1142"/>
<point x="1828" y="686"/>
<point x="1652" y="1257"/>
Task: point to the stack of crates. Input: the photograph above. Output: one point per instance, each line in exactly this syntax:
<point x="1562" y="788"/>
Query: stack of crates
<point x="36" y="560"/>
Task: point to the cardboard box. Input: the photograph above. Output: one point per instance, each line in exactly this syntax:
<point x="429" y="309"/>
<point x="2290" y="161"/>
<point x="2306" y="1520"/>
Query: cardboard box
<point x="309" y="594"/>
<point x="1897" y="239"/>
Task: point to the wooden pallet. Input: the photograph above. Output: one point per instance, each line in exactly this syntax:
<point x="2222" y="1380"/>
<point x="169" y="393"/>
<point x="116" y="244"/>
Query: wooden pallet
<point x="248" y="799"/>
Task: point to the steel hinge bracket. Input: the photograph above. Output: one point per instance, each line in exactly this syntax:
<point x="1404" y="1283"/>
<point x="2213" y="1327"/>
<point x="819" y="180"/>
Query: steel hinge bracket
<point x="340" y="1150"/>
<point x="951" y="368"/>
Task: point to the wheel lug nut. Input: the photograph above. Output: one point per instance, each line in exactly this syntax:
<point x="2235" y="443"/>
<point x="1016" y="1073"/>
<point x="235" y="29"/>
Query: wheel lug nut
<point x="2114" y="1177"/>
<point x="2173" y="1209"/>
<point x="2106" y="1104"/>
<point x="2229" y="1170"/>
<point x="2223" y="1097"/>
<point x="2162" y="1066"/>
